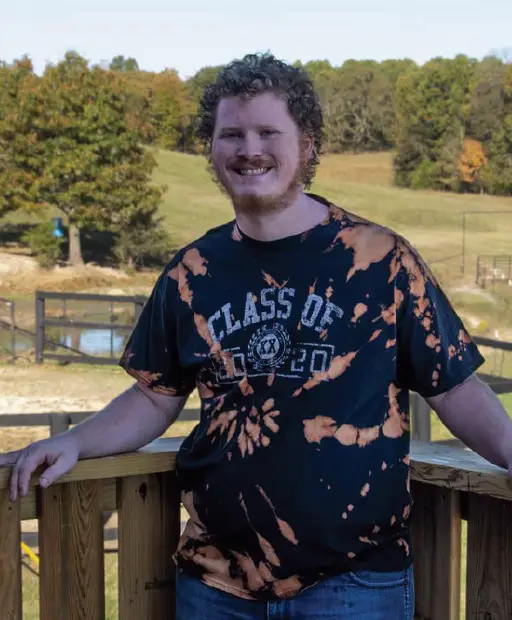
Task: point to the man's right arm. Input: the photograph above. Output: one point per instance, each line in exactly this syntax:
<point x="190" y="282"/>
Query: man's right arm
<point x="130" y="421"/>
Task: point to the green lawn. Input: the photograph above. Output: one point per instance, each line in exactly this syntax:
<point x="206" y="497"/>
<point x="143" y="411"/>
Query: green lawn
<point x="30" y="585"/>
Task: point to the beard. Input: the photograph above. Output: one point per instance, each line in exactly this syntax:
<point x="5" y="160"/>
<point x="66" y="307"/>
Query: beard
<point x="259" y="203"/>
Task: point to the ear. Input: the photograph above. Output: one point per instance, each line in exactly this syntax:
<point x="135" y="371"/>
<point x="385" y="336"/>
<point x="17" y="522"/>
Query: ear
<point x="307" y="146"/>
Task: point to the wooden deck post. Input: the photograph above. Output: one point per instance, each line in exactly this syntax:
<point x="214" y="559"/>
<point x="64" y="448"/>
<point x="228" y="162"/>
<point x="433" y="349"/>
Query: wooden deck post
<point x="10" y="558"/>
<point x="489" y="576"/>
<point x="149" y="529"/>
<point x="436" y="544"/>
<point x="72" y="585"/>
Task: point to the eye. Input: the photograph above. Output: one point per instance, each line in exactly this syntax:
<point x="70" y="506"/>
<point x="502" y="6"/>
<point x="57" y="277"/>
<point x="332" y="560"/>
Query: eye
<point x="266" y="133"/>
<point x="231" y="134"/>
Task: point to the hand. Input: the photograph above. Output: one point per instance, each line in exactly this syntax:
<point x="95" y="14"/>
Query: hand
<point x="60" y="454"/>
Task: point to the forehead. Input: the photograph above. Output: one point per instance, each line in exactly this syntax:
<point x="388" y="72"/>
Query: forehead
<point x="264" y="109"/>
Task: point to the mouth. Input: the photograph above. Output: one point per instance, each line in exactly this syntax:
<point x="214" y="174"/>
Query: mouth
<point x="251" y="172"/>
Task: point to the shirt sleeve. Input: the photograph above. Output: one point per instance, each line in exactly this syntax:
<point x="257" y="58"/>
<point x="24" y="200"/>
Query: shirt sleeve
<point x="151" y="354"/>
<point x="435" y="352"/>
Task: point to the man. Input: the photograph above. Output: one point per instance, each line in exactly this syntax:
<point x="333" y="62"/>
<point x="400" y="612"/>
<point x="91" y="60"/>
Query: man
<point x="303" y="327"/>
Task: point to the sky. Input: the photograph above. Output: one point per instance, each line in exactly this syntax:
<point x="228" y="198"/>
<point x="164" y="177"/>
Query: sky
<point x="336" y="30"/>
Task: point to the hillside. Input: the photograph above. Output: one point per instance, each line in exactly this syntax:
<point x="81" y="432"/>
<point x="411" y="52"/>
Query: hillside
<point x="432" y="221"/>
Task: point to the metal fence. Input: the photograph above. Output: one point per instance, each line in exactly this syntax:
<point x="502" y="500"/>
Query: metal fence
<point x="493" y="271"/>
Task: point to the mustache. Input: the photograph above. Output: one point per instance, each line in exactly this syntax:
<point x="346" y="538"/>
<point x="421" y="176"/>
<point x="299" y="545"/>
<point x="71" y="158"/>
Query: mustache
<point x="252" y="162"/>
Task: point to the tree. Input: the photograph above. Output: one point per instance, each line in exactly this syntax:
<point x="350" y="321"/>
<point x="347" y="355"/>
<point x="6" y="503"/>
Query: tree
<point x="486" y="108"/>
<point x="15" y="182"/>
<point x="431" y="106"/>
<point x="357" y="104"/>
<point x="161" y="108"/>
<point x="497" y="176"/>
<point x="71" y="147"/>
<point x="472" y="160"/>
<point x="202" y="78"/>
<point x="171" y="110"/>
<point x="120" y="63"/>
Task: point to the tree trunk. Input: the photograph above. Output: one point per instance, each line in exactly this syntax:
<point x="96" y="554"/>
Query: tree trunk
<point x="75" y="248"/>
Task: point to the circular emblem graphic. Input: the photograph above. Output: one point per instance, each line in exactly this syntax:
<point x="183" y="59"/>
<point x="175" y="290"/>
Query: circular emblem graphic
<point x="269" y="347"/>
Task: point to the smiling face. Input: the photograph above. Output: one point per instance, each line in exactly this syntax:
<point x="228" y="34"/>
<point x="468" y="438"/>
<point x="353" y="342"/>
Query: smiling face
<point x="258" y="152"/>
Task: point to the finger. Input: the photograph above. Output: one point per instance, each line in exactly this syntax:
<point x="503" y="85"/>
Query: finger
<point x="9" y="458"/>
<point x="15" y="477"/>
<point x="61" y="466"/>
<point x="31" y="461"/>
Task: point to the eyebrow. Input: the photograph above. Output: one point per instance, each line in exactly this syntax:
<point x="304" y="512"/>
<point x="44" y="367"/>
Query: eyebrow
<point x="260" y="127"/>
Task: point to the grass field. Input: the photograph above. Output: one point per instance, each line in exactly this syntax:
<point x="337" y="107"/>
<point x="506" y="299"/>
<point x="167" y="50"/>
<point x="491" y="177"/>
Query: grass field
<point x="432" y="221"/>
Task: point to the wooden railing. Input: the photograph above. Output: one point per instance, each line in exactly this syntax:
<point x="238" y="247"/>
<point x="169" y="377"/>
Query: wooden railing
<point x="449" y="485"/>
<point x="141" y="486"/>
<point x="59" y="422"/>
<point x="452" y="485"/>
<point x="77" y="356"/>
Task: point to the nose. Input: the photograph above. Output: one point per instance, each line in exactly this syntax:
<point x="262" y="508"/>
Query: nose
<point x="250" y="146"/>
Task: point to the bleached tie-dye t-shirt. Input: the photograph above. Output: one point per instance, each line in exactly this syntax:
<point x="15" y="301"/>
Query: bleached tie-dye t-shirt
<point x="303" y="351"/>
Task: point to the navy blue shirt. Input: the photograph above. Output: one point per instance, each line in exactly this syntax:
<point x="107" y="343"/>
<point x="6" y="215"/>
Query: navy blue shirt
<point x="303" y="351"/>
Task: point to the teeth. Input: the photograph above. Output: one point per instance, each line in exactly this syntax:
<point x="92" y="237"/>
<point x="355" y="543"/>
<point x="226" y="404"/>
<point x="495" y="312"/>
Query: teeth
<point x="253" y="172"/>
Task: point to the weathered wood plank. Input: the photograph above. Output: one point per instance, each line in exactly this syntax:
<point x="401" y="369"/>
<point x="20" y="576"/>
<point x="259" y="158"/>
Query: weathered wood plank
<point x="489" y="573"/>
<point x="10" y="558"/>
<point x="149" y="529"/>
<point x="158" y="456"/>
<point x="31" y="510"/>
<point x="73" y="417"/>
<point x="436" y="542"/>
<point x="52" y="561"/>
<point x="72" y="545"/>
<point x="85" y="558"/>
<point x="420" y="418"/>
<point x="59" y="424"/>
<point x="459" y="469"/>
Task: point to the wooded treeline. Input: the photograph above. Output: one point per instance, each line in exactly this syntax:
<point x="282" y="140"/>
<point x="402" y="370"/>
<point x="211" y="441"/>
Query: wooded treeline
<point x="74" y="137"/>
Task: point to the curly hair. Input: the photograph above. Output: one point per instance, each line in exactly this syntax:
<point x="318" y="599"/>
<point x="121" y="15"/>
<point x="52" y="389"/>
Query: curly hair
<point x="260" y="73"/>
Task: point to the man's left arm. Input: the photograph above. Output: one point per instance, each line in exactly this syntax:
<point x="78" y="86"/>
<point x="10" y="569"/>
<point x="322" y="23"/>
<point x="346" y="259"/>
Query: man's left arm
<point x="476" y="416"/>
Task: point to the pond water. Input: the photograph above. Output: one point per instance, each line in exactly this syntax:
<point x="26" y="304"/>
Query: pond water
<point x="97" y="342"/>
<point x="91" y="341"/>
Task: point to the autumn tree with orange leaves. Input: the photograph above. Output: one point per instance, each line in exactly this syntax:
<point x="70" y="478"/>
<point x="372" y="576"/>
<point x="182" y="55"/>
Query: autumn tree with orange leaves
<point x="472" y="160"/>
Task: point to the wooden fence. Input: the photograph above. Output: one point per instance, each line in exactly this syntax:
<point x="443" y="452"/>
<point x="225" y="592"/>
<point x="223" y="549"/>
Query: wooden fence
<point x="60" y="422"/>
<point x="499" y="384"/>
<point x="452" y="485"/>
<point x="141" y="486"/>
<point x="7" y="319"/>
<point x="74" y="354"/>
<point x="449" y="486"/>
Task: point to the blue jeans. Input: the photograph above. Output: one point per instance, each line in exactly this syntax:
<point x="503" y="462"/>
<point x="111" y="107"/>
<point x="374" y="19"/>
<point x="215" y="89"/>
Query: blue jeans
<point x="363" y="595"/>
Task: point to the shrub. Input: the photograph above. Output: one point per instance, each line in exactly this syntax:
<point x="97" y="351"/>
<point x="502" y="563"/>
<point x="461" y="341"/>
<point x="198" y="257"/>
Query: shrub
<point x="44" y="245"/>
<point x="139" y="246"/>
<point x="424" y="175"/>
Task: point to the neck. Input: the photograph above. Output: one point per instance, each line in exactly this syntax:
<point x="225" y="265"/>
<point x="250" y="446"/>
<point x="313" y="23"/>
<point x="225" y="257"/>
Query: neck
<point x="301" y="215"/>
